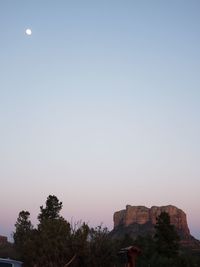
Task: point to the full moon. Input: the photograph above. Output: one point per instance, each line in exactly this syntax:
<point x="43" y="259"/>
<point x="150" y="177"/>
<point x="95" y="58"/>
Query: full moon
<point x="28" y="31"/>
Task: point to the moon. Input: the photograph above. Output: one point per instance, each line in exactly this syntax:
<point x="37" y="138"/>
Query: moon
<point x="28" y="32"/>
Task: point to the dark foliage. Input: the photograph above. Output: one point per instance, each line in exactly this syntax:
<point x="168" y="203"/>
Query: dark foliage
<point x="52" y="209"/>
<point x="8" y="251"/>
<point x="166" y="237"/>
<point x="54" y="242"/>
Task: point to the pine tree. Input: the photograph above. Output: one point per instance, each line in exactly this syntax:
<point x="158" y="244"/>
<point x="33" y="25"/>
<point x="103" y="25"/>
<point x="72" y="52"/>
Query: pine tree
<point x="52" y="209"/>
<point x="166" y="237"/>
<point x="23" y="228"/>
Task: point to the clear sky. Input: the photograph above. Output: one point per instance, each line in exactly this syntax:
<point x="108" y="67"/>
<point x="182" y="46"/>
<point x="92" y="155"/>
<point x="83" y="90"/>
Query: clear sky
<point x="99" y="106"/>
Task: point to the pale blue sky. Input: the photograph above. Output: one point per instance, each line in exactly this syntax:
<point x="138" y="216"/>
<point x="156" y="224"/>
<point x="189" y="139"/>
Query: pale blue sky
<point x="99" y="106"/>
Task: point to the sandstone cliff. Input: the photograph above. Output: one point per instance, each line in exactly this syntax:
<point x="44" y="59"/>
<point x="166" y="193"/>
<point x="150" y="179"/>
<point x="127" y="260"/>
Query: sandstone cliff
<point x="139" y="220"/>
<point x="144" y="219"/>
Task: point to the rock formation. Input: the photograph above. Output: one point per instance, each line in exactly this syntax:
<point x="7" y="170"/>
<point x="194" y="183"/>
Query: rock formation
<point x="142" y="219"/>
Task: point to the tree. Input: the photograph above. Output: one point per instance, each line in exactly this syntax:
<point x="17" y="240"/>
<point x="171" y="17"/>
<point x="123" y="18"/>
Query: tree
<point x="166" y="237"/>
<point x="102" y="248"/>
<point x="23" y="235"/>
<point x="49" y="245"/>
<point x="52" y="243"/>
<point x="52" y="209"/>
<point x="54" y="235"/>
<point x="80" y="245"/>
<point x="23" y="228"/>
<point x="147" y="245"/>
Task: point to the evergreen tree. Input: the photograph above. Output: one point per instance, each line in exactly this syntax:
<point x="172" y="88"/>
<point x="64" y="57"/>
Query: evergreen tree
<point x="53" y="240"/>
<point x="166" y="237"/>
<point x="52" y="243"/>
<point x="52" y="209"/>
<point x="23" y="235"/>
<point x="23" y="228"/>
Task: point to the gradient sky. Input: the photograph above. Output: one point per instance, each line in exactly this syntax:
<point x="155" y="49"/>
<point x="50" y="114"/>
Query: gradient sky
<point x="99" y="106"/>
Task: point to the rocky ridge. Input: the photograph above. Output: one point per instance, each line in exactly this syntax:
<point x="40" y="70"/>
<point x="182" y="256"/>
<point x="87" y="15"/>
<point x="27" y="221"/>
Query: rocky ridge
<point x="140" y="220"/>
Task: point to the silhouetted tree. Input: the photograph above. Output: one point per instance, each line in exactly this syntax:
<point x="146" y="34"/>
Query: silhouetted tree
<point x="23" y="228"/>
<point x="53" y="246"/>
<point x="23" y="236"/>
<point x="79" y="240"/>
<point x="102" y="248"/>
<point x="166" y="237"/>
<point x="52" y="209"/>
<point x="53" y="235"/>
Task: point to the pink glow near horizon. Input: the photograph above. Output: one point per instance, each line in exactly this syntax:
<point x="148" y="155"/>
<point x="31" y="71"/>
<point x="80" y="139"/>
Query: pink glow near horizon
<point x="100" y="107"/>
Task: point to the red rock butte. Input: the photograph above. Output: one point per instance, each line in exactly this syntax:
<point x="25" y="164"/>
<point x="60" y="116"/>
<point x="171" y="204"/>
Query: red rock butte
<point x="142" y="215"/>
<point x="140" y="220"/>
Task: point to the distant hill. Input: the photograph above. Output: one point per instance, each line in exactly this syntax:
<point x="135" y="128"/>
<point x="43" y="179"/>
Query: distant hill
<point x="140" y="220"/>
